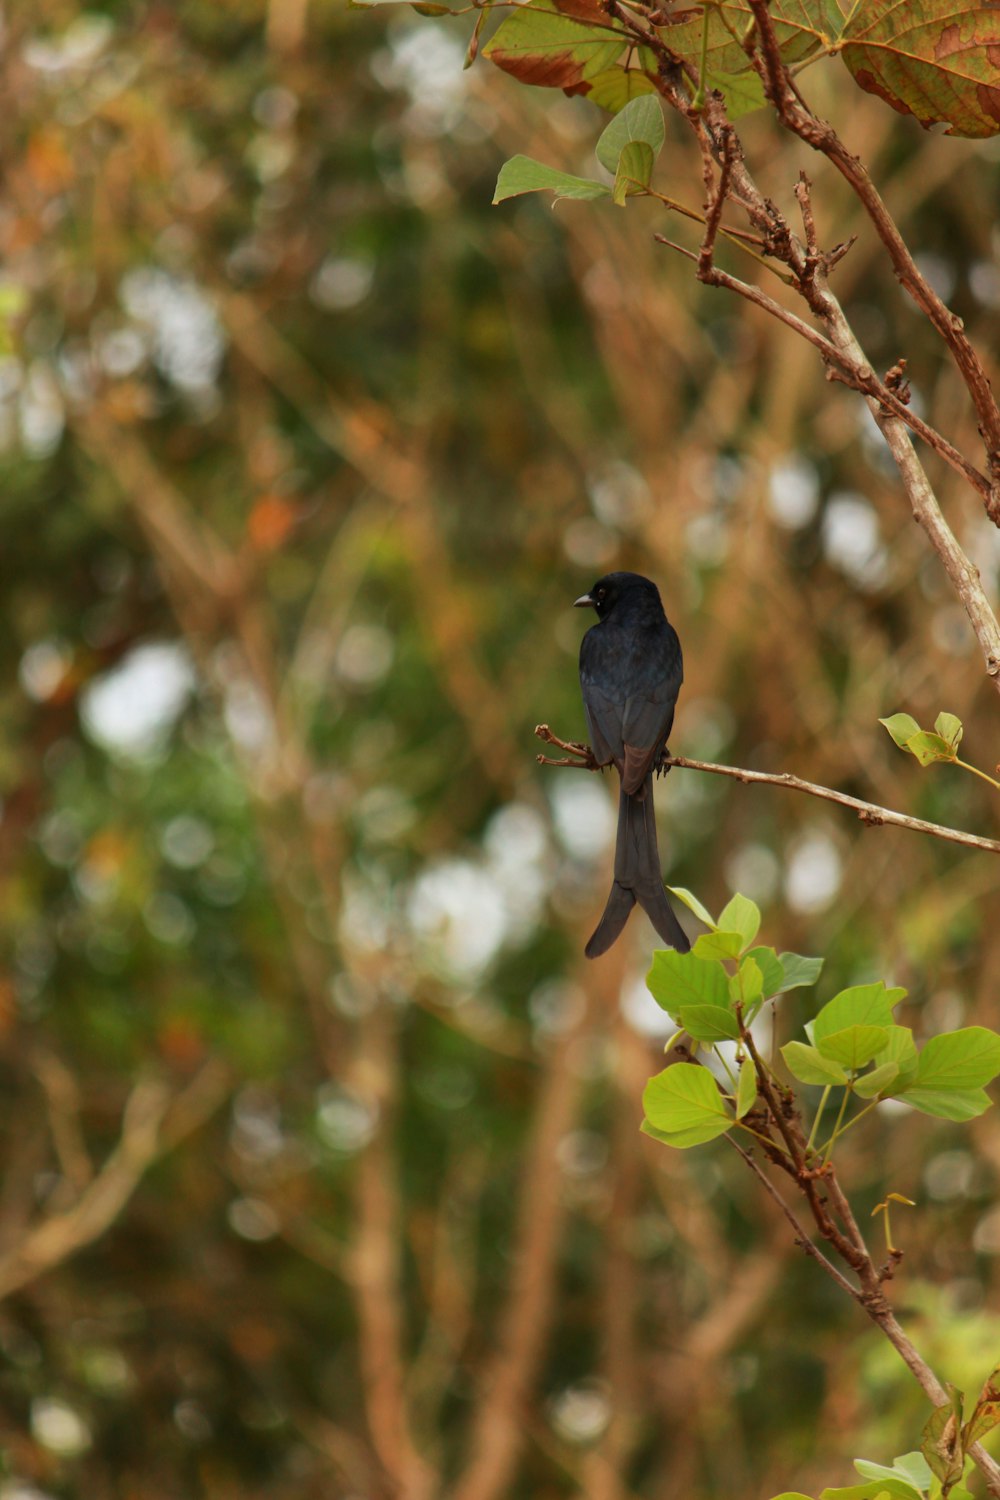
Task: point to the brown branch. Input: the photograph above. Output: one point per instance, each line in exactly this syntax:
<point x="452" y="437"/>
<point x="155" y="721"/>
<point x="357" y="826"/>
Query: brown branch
<point x="850" y="1247"/>
<point x="153" y="1122"/>
<point x="796" y="116"/>
<point x="801" y="1235"/>
<point x="841" y="349"/>
<point x="852" y="369"/>
<point x="582" y="757"/>
<point x="869" y="813"/>
<point x="498" y="1427"/>
<point x="376" y="1272"/>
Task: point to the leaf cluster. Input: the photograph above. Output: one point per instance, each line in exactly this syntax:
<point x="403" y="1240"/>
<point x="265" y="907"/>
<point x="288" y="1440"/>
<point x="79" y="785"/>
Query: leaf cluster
<point x="627" y="149"/>
<point x="582" y="48"/>
<point x="940" y="1467"/>
<point x="853" y="1044"/>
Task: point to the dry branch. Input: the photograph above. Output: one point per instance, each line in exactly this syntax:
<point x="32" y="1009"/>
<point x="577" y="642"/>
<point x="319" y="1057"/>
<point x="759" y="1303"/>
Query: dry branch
<point x="153" y="1122"/>
<point x="582" y="758"/>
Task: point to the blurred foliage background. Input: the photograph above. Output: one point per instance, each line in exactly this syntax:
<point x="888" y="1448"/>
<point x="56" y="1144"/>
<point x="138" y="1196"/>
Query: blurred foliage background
<point x="321" y="1166"/>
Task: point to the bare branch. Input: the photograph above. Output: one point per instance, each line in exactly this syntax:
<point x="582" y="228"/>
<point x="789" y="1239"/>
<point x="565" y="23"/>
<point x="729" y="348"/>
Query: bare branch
<point x="870" y="813"/>
<point x="798" y="118"/>
<point x="801" y="1235"/>
<point x="153" y="1122"/>
<point x="498" y="1427"/>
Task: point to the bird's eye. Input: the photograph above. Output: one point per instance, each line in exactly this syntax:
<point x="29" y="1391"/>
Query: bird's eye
<point x="600" y="594"/>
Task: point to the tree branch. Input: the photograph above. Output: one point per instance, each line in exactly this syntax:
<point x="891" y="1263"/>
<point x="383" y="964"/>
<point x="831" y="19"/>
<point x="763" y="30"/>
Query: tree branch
<point x="582" y="757"/>
<point x="152" y="1123"/>
<point x="797" y="117"/>
<point x="841" y="349"/>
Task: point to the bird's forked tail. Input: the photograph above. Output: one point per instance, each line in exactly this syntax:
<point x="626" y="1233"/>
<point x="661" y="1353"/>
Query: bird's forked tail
<point x="637" y="876"/>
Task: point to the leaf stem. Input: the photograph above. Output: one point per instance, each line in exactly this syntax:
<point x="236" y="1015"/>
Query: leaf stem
<point x="729" y="1072"/>
<point x="828" y="1148"/>
<point x="839" y="1133"/>
<point x="818" y="1116"/>
<point x="767" y="1140"/>
<point x="977" y="772"/>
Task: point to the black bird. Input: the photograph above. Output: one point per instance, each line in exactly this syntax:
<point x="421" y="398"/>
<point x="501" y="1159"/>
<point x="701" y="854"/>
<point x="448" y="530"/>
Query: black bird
<point x="631" y="671"/>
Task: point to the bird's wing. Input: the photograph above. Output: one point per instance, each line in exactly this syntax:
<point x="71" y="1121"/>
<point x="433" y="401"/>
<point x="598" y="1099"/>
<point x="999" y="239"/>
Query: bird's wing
<point x="604" y="721"/>
<point x="646" y="722"/>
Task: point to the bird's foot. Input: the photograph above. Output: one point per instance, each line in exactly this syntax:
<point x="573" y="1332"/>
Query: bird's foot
<point x="577" y="753"/>
<point x="662" y="763"/>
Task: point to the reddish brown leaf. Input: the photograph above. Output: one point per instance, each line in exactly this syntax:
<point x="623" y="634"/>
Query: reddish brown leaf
<point x="556" y="44"/>
<point x="937" y="60"/>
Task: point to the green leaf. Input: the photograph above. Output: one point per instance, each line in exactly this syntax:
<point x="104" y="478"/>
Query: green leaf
<point x="896" y="1489"/>
<point x="986" y="1413"/>
<point x="942" y="1440"/>
<point x="791" y="1495"/>
<point x="743" y="92"/>
<point x="709" y="1023"/>
<point x="961" y="1059"/>
<point x="801" y="26"/>
<point x="680" y="1140"/>
<point x="684" y="1104"/>
<point x="747" y="984"/>
<point x="902" y="728"/>
<point x="679" y="979"/>
<point x="522" y="174"/>
<point x="741" y="915"/>
<point x="928" y="748"/>
<point x="911" y="1470"/>
<point x="556" y="45"/>
<point x="854" y="1047"/>
<point x="635" y="168"/>
<point x="613" y="88"/>
<point x="859" y="1005"/>
<point x="692" y="903"/>
<point x="798" y="971"/>
<point x="772" y="973"/>
<point x="949" y="727"/>
<point x="878" y="1081"/>
<point x="640" y="121"/>
<point x="716" y="945"/>
<point x="901" y="1050"/>
<point x="915" y="1468"/>
<point x="746" y="1088"/>
<point x="945" y="1104"/>
<point x="809" y="1066"/>
<point x="932" y="60"/>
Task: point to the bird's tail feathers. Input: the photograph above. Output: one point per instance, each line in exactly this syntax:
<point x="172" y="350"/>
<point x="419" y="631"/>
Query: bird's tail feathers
<point x="637" y="876"/>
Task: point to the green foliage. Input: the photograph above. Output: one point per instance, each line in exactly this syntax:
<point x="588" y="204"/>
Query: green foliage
<point x="910" y="1478"/>
<point x="628" y="149"/>
<point x="746" y="1088"/>
<point x="928" y="746"/>
<point x="897" y="55"/>
<point x="854" y="1044"/>
<point x="521" y="174"/>
<point x="683" y="1107"/>
<point x="921" y="743"/>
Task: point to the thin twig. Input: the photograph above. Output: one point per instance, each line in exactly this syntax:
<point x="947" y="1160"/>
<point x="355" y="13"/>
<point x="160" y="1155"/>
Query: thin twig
<point x="854" y="372"/>
<point x="869" y="813"/>
<point x="153" y="1122"/>
<point x="796" y="116"/>
<point x="801" y="1236"/>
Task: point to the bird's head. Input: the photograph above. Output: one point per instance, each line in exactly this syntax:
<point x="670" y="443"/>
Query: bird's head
<point x="617" y="588"/>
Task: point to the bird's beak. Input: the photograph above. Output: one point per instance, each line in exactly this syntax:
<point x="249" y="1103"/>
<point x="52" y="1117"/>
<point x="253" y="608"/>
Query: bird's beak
<point x="584" y="602"/>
